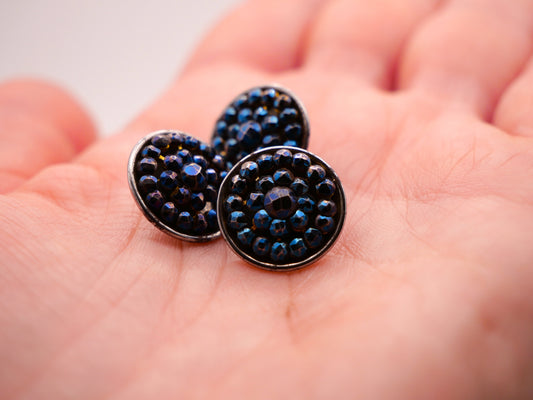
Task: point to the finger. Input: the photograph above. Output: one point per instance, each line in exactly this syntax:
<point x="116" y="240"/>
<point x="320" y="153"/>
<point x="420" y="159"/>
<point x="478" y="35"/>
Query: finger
<point x="364" y="38"/>
<point x="265" y="34"/>
<point x="467" y="54"/>
<point x="514" y="111"/>
<point x="40" y="125"/>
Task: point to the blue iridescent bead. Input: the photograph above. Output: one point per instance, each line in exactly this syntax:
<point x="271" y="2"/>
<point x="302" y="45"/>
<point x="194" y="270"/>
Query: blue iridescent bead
<point x="184" y="221"/>
<point x="221" y="128"/>
<point x="192" y="176"/>
<point x="299" y="187"/>
<point x="207" y="150"/>
<point x="233" y="203"/>
<point x="254" y="97"/>
<point x="325" y="188"/>
<point x="288" y="115"/>
<point x="173" y="162"/>
<point x="283" y="177"/>
<point x="268" y="96"/>
<point x="148" y="183"/>
<point x="233" y="131"/>
<point x="246" y="236"/>
<point x="327" y="208"/>
<point x="147" y="165"/>
<point x="169" y="212"/>
<point x="219" y="144"/>
<point x="244" y="115"/>
<point x="181" y="196"/>
<point x="265" y="184"/>
<point x="261" y="246"/>
<point x="271" y="140"/>
<point x="265" y="163"/>
<point x="222" y="175"/>
<point x="255" y="201"/>
<point x="201" y="161"/>
<point x="313" y="237"/>
<point x="198" y="201"/>
<point x="278" y="228"/>
<point x="250" y="134"/>
<point x="262" y="220"/>
<point x="237" y="220"/>
<point x="282" y="101"/>
<point x="176" y="138"/>
<point x="298" y="248"/>
<point x="155" y="200"/>
<point x="218" y="161"/>
<point x="306" y="204"/>
<point x="270" y="123"/>
<point x="238" y="184"/>
<point x="315" y="173"/>
<point x="249" y="170"/>
<point x="290" y="143"/>
<point x="241" y="100"/>
<point x="192" y="142"/>
<point x="169" y="180"/>
<point x="293" y="131"/>
<point x="283" y="158"/>
<point x="260" y="113"/>
<point x="185" y="155"/>
<point x="200" y="224"/>
<point x="280" y="202"/>
<point x="299" y="221"/>
<point x="211" y="218"/>
<point x="210" y="194"/>
<point x="301" y="161"/>
<point x="232" y="147"/>
<point x="279" y="252"/>
<point x="230" y="115"/>
<point x="151" y="151"/>
<point x="325" y="224"/>
<point x="161" y="141"/>
<point x="211" y="176"/>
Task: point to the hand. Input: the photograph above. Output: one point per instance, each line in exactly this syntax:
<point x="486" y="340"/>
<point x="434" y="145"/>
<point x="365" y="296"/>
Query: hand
<point x="423" y="108"/>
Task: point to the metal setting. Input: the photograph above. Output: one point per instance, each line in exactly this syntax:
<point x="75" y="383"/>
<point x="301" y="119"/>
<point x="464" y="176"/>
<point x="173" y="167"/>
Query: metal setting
<point x="175" y="180"/>
<point x="261" y="117"/>
<point x="281" y="208"/>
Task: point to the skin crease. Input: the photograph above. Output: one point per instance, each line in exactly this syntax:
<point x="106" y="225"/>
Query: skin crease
<point x="422" y="107"/>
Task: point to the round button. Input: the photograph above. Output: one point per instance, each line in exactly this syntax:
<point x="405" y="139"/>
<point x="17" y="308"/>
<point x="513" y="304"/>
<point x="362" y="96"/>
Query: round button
<point x="284" y="215"/>
<point x="261" y="117"/>
<point x="175" y="179"/>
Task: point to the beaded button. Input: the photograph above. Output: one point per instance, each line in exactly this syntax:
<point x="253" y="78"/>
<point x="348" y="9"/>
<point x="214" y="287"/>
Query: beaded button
<point x="175" y="179"/>
<point x="261" y="117"/>
<point x="286" y="211"/>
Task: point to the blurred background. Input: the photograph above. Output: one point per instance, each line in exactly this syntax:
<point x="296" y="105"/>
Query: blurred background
<point x="115" y="56"/>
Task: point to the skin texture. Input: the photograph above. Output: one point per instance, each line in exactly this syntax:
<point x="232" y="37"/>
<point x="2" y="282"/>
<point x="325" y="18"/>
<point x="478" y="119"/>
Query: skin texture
<point x="423" y="108"/>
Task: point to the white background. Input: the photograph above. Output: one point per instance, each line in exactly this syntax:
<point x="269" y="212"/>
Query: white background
<point x="115" y="56"/>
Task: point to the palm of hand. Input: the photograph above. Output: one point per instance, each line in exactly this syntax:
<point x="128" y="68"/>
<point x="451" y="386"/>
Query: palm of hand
<point x="426" y="293"/>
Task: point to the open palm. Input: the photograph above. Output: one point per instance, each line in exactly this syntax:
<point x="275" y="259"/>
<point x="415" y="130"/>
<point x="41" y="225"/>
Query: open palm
<point x="422" y="107"/>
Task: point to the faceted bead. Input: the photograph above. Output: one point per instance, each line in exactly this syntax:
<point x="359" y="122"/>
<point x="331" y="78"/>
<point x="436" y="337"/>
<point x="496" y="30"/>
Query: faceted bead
<point x="301" y="161"/>
<point x="198" y="201"/>
<point x="280" y="202"/>
<point x="283" y="177"/>
<point x="262" y="220"/>
<point x="200" y="224"/>
<point x="221" y="128"/>
<point x="169" y="212"/>
<point x="268" y="96"/>
<point x="278" y="228"/>
<point x="192" y="143"/>
<point x="250" y="134"/>
<point x="201" y="161"/>
<point x="299" y="221"/>
<point x="291" y="143"/>
<point x="265" y="184"/>
<point x="232" y="147"/>
<point x="316" y="173"/>
<point x="237" y="220"/>
<point x="254" y="97"/>
<point x="222" y="175"/>
<point x="173" y="162"/>
<point x="147" y="165"/>
<point x="233" y="131"/>
<point x="279" y="252"/>
<point x="238" y="184"/>
<point x="283" y="158"/>
<point x="293" y="131"/>
<point x="184" y="221"/>
<point x="211" y="194"/>
<point x="161" y="141"/>
<point x="282" y="101"/>
<point x="270" y="124"/>
<point x="181" y="196"/>
<point x="244" y="115"/>
<point x="288" y="115"/>
<point x="326" y="188"/>
<point x="192" y="176"/>
<point x="241" y="100"/>
<point x="148" y="183"/>
<point x="266" y="164"/>
<point x="185" y="155"/>
<point x="261" y="246"/>
<point x="207" y="150"/>
<point x="211" y="176"/>
<point x="255" y="201"/>
<point x="246" y="236"/>
<point x="299" y="187"/>
<point x="233" y="203"/>
<point x="249" y="170"/>
<point x="298" y="248"/>
<point x="327" y="208"/>
<point x="260" y="113"/>
<point x="176" y="138"/>
<point x="218" y="161"/>
<point x="155" y="200"/>
<point x="219" y="144"/>
<point x="325" y="224"/>
<point x="230" y="115"/>
<point x="271" y="140"/>
<point x="211" y="218"/>
<point x="151" y="151"/>
<point x="169" y="180"/>
<point x="313" y="237"/>
<point x="306" y="204"/>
